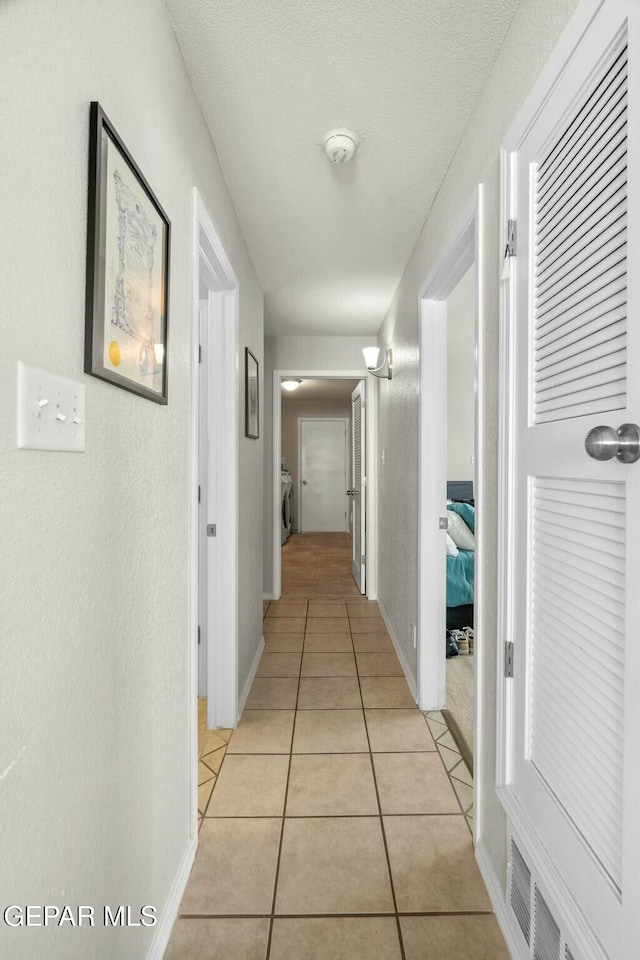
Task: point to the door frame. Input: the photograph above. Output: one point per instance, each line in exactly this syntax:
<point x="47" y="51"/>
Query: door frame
<point x="465" y="251"/>
<point x="211" y="265"/>
<point x="371" y="396"/>
<point x="344" y="420"/>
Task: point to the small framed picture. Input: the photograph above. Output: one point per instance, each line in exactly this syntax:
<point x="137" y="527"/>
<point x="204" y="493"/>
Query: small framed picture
<point x="128" y="244"/>
<point x="251" y="396"/>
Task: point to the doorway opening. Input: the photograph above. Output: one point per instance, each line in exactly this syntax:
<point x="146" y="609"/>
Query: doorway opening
<point x="324" y="533"/>
<point x="450" y="582"/>
<point x="214" y="471"/>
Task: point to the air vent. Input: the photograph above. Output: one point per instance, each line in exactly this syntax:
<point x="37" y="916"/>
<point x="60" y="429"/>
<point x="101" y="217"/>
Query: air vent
<point x="546" y="933"/>
<point x="521" y="891"/>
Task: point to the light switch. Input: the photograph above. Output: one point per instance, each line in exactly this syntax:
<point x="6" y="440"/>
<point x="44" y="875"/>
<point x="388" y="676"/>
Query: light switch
<point x="51" y="411"/>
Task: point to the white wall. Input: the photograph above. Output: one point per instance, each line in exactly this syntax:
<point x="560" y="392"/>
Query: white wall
<point x="94" y="709"/>
<point x="298" y="354"/>
<point x="532" y="36"/>
<point x="292" y="409"/>
<point x="461" y="379"/>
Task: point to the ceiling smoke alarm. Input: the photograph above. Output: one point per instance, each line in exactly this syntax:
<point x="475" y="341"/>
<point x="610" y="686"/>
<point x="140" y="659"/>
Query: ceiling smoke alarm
<point x="340" y="145"/>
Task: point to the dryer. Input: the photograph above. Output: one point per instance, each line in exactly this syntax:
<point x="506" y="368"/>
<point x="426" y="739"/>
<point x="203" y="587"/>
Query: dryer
<point x="286" y="511"/>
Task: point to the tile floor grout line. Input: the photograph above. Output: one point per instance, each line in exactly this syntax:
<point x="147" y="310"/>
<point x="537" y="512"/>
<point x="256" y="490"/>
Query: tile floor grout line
<point x="384" y="835"/>
<point x="286" y="797"/>
<point x="329" y="916"/>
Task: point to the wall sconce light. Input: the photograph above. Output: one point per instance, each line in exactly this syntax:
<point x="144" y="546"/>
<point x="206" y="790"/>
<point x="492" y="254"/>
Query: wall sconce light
<point x="371" y="355"/>
<point x="291" y="383"/>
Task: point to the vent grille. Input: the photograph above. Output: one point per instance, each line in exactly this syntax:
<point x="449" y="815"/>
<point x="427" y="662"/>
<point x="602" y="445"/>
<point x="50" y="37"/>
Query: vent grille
<point x="521" y="891"/>
<point x="546" y="941"/>
<point x="577" y="606"/>
<point x="580" y="270"/>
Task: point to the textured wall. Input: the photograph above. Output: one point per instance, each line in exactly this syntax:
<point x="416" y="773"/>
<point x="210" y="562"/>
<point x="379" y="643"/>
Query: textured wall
<point x="533" y="34"/>
<point x="298" y="354"/>
<point x="94" y="708"/>
<point x="461" y="346"/>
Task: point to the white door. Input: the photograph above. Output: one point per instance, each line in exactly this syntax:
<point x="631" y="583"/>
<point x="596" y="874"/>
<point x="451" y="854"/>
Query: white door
<point x="573" y="769"/>
<point x="358" y="490"/>
<point x="323" y="476"/>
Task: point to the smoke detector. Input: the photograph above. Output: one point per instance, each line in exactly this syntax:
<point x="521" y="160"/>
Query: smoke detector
<point x="340" y="145"/>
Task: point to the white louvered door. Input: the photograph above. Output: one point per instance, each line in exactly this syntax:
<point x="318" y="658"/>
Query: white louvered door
<point x="576" y="523"/>
<point x="358" y="486"/>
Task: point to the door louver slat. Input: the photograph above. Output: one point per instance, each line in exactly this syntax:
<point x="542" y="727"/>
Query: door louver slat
<point x="520" y="895"/>
<point x="546" y="940"/>
<point x="580" y="292"/>
<point x="576" y="606"/>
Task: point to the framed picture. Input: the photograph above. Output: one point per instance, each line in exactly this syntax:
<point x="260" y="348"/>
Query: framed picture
<point x="251" y="396"/>
<point x="128" y="243"/>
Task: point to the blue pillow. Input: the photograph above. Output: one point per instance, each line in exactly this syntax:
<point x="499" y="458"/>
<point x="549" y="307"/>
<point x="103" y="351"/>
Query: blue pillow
<point x="466" y="511"/>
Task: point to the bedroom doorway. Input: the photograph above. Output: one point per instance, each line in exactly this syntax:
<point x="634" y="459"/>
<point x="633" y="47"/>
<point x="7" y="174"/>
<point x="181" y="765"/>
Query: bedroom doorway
<point x="449" y="568"/>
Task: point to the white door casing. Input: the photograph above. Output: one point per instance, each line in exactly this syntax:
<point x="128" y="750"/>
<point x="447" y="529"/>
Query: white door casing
<point x="571" y="768"/>
<point x="359" y="485"/>
<point x="206" y="432"/>
<point x="322" y="473"/>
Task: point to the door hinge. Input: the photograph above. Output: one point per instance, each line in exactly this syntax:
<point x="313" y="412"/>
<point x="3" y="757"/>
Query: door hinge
<point x="198" y="636"/>
<point x="512" y="239"/>
<point x="199" y="353"/>
<point x="211" y="530"/>
<point x="198" y="493"/>
<point x="508" y="659"/>
<point x="363" y="560"/>
<point x="443" y="523"/>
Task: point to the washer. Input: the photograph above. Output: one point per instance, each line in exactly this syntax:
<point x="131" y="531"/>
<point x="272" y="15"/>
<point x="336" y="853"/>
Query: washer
<point x="286" y="511"/>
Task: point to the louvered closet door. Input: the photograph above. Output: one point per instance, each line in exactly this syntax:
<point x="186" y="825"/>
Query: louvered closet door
<point x="358" y="486"/>
<point x="576" y="615"/>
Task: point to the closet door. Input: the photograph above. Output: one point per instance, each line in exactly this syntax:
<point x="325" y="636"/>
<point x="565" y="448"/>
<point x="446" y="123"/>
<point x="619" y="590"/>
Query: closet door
<point x="574" y="768"/>
<point x="358" y="491"/>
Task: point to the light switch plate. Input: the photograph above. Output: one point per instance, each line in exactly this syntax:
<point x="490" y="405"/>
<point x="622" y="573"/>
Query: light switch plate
<point x="51" y="411"/>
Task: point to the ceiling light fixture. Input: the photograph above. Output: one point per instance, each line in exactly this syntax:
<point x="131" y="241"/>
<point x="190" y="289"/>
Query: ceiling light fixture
<point x="291" y="383"/>
<point x="371" y="355"/>
<point x="340" y="145"/>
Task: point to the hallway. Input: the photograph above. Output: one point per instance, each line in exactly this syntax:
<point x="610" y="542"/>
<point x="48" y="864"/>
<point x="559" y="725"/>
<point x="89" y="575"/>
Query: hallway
<point x="333" y="831"/>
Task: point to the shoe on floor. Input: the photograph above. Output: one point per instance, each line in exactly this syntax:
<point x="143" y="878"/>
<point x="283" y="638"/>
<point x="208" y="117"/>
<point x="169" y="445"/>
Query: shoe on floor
<point x="452" y="646"/>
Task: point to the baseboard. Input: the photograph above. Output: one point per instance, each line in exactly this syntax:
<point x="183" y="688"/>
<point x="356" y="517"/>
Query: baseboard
<point x="413" y="687"/>
<point x="170" y="912"/>
<point x="247" y="684"/>
<point x="499" y="904"/>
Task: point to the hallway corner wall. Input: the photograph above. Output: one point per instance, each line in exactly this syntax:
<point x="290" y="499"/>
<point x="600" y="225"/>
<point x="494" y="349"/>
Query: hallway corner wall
<point x="95" y="799"/>
<point x="298" y="353"/>
<point x="533" y="34"/>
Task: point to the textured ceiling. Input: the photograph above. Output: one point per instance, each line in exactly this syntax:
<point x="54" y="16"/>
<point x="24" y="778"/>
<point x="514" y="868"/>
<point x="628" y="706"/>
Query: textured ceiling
<point x="330" y="242"/>
<point x="321" y="390"/>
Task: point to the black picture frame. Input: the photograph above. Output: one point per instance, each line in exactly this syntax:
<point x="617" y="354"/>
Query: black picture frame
<point x="251" y="395"/>
<point x="127" y="293"/>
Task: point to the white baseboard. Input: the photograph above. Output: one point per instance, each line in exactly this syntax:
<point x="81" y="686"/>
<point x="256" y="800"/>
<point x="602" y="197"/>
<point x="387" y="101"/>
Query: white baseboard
<point x="247" y="684"/>
<point x="401" y="656"/>
<point x="170" y="912"/>
<point x="507" y="924"/>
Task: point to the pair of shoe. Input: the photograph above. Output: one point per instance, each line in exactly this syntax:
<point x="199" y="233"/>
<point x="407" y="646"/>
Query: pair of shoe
<point x="464" y="640"/>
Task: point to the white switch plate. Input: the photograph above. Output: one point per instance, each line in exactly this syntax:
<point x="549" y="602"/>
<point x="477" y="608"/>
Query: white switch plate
<point x="51" y="411"/>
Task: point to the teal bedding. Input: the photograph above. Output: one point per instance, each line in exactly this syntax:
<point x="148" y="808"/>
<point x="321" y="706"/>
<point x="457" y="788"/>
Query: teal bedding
<point x="460" y="575"/>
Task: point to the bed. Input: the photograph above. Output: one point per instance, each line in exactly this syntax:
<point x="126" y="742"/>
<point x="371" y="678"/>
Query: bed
<point x="461" y="568"/>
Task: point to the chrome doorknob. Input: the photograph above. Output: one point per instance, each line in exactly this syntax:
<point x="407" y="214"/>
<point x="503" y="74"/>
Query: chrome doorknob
<point x="605" y="443"/>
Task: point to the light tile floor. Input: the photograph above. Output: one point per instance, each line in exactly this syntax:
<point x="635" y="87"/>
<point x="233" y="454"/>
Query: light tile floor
<point x="334" y="832"/>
